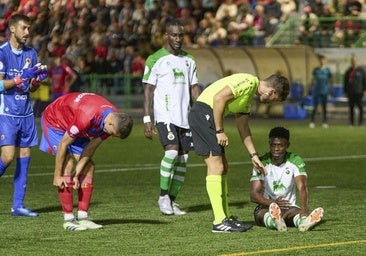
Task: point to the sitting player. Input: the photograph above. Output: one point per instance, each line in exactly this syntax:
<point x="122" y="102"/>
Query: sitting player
<point x="275" y="193"/>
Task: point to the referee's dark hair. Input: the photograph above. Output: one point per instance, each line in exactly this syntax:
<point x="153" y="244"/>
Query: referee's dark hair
<point x="279" y="132"/>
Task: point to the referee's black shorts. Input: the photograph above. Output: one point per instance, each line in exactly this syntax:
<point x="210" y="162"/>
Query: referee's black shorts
<point x="203" y="130"/>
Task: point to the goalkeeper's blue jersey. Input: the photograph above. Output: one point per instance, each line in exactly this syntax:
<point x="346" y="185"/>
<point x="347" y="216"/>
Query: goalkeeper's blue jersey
<point x="16" y="101"/>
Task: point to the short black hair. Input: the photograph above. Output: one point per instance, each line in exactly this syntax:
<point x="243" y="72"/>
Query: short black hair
<point x="279" y="132"/>
<point x="18" y="17"/>
<point x="172" y="21"/>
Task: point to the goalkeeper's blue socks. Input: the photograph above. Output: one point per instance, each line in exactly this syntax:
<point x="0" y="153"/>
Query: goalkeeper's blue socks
<point x="20" y="181"/>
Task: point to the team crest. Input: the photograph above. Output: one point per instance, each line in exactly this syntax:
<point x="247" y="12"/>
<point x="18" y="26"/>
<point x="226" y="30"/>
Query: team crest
<point x="2" y="137"/>
<point x="287" y="171"/>
<point x="170" y="136"/>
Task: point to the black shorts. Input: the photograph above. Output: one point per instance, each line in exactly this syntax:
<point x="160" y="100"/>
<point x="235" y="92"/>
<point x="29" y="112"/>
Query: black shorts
<point x="203" y="130"/>
<point x="171" y="134"/>
<point x="260" y="222"/>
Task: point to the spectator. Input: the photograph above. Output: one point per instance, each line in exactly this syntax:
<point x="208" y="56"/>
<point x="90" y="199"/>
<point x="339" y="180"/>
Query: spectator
<point x="154" y="12"/>
<point x="352" y="8"/>
<point x="125" y="14"/>
<point x="137" y="71"/>
<point x="62" y="77"/>
<point x="210" y="5"/>
<point x="244" y="26"/>
<point x="203" y="31"/>
<point x="218" y="34"/>
<point x="273" y="14"/>
<point x="326" y="27"/>
<point x="349" y="30"/>
<point x="259" y="26"/>
<point x="288" y="8"/>
<point x="197" y="10"/>
<point x="226" y="12"/>
<point x="308" y="27"/>
<point x="318" y="7"/>
<point x="321" y="84"/>
<point x="138" y="16"/>
<point x="354" y="87"/>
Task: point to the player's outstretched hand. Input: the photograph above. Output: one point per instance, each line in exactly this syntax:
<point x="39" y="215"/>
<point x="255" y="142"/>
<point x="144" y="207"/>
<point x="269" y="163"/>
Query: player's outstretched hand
<point x="258" y="165"/>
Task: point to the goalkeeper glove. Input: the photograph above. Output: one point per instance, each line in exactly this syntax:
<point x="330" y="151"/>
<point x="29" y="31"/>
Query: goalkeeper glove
<point x="42" y="76"/>
<point x="28" y="73"/>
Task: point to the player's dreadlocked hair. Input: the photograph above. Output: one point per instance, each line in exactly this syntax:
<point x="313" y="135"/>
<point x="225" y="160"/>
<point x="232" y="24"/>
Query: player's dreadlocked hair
<point x="280" y="84"/>
<point x="279" y="132"/>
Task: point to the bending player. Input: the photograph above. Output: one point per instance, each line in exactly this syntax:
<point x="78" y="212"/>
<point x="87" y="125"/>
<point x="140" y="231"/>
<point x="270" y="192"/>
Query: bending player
<point x="73" y="127"/>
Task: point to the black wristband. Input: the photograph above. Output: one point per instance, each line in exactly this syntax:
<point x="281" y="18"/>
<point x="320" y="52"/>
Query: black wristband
<point x="253" y="154"/>
<point x="219" y="131"/>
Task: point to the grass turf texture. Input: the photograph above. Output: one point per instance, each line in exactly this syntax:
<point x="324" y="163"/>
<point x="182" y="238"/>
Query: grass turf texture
<point x="126" y="189"/>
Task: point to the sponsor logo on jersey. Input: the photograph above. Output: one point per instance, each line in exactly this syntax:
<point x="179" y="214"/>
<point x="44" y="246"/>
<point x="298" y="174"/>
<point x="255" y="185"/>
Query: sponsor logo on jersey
<point x="74" y="130"/>
<point x="21" y="97"/>
<point x="81" y="95"/>
<point x="178" y="74"/>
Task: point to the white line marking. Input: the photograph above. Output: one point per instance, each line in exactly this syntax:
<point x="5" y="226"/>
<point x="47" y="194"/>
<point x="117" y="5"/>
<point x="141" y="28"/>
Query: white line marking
<point x="140" y="167"/>
<point x="296" y="248"/>
<point x="325" y="187"/>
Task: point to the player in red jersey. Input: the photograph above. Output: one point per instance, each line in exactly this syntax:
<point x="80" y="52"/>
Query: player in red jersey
<point x="73" y="126"/>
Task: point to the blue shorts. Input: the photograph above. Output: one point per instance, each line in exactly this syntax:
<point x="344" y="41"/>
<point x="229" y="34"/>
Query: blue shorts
<point x="51" y="137"/>
<point x="18" y="131"/>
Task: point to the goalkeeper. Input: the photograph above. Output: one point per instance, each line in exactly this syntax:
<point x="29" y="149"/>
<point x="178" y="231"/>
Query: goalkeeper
<point x="275" y="193"/>
<point x="19" y="75"/>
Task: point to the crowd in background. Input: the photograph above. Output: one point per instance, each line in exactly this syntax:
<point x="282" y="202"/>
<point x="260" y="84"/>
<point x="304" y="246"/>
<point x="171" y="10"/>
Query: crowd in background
<point x="116" y="36"/>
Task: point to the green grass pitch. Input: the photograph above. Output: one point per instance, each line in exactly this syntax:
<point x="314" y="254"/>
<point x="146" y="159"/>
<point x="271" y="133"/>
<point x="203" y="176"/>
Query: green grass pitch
<point x="126" y="189"/>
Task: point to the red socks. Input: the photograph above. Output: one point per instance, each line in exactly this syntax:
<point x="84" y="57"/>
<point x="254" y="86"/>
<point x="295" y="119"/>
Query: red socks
<point x="65" y="195"/>
<point x="84" y="194"/>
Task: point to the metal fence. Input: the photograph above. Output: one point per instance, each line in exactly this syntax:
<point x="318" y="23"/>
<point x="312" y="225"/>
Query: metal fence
<point x="331" y="32"/>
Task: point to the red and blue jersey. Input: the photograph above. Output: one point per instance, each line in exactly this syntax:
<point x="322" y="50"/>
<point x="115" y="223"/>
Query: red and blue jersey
<point x="16" y="101"/>
<point x="79" y="114"/>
